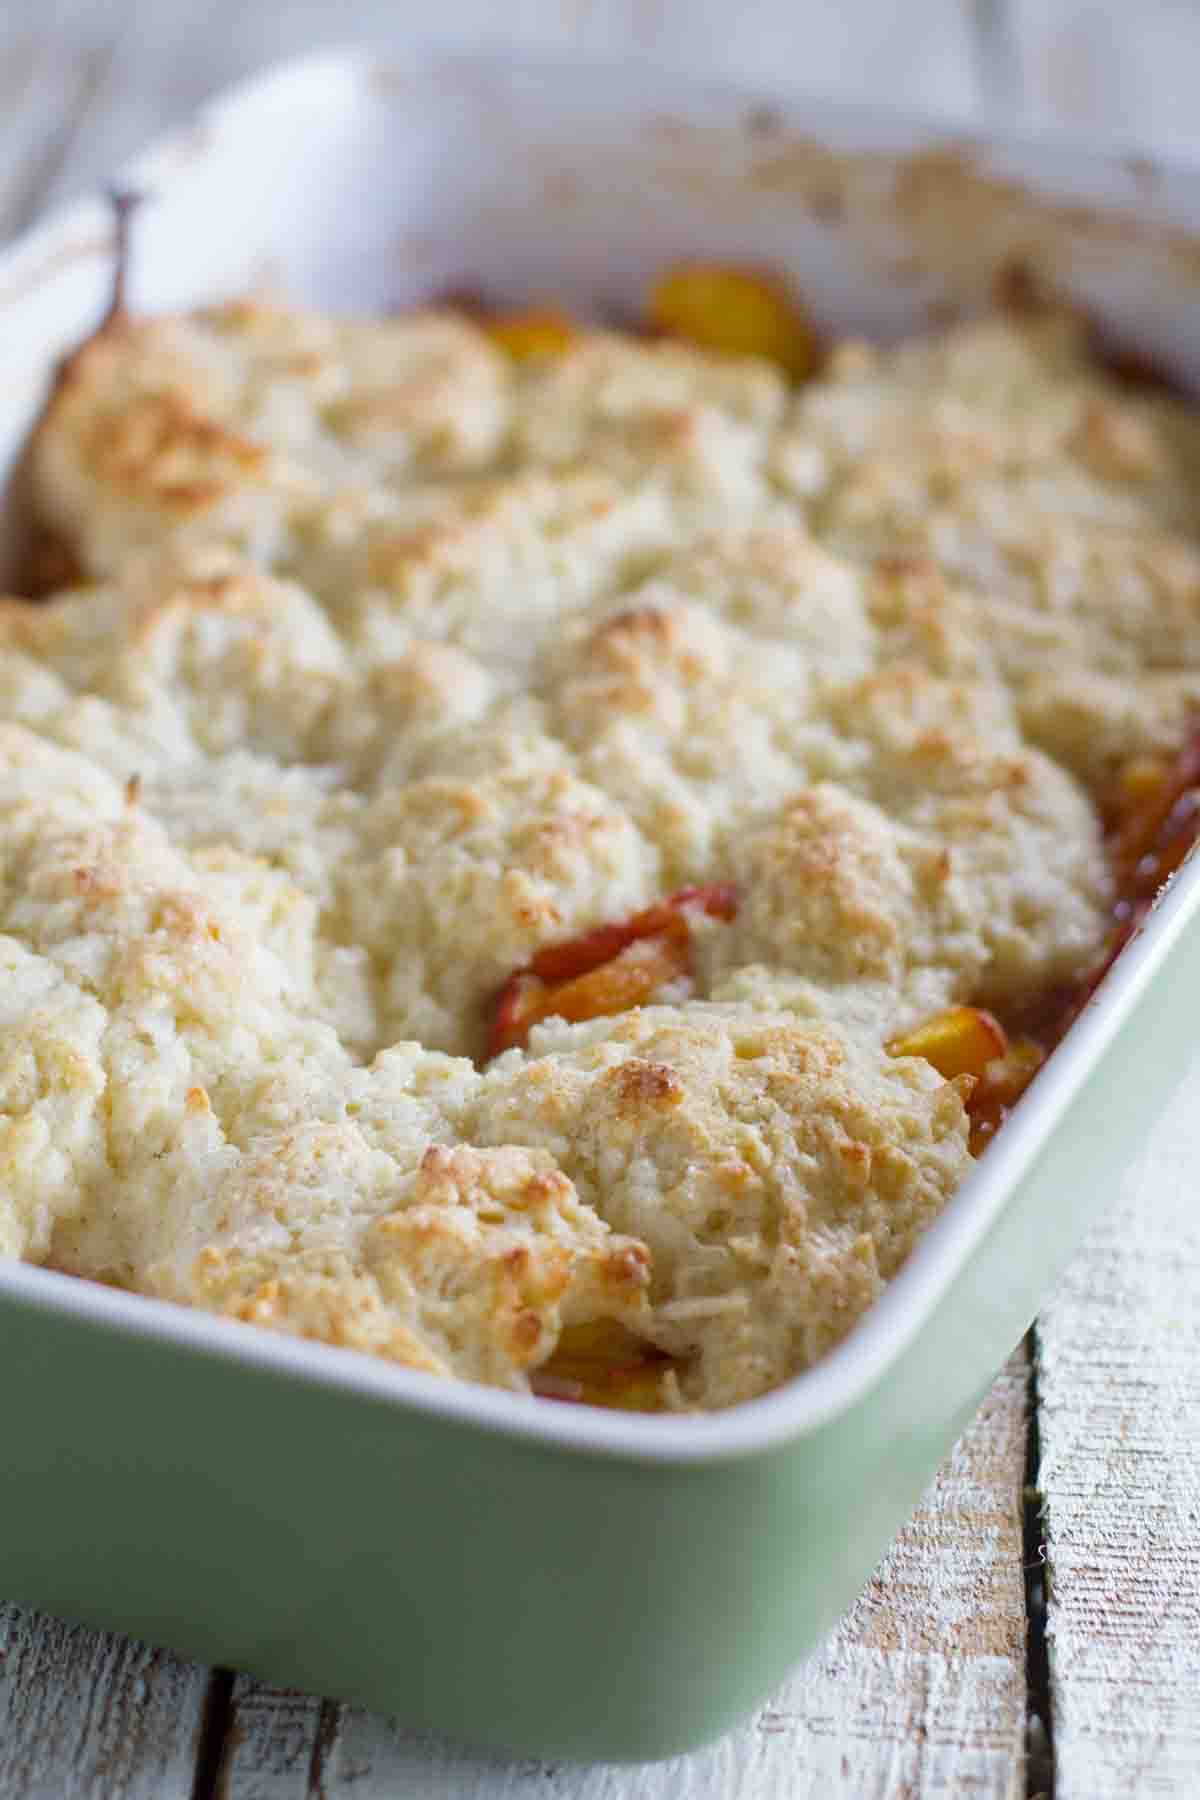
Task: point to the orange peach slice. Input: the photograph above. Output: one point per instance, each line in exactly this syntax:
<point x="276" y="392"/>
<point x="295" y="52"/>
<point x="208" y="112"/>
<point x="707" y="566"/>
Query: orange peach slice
<point x="532" y="334"/>
<point x="625" y="981"/>
<point x="963" y="1040"/>
<point x="738" y="311"/>
<point x="606" y="970"/>
<point x="602" y="1364"/>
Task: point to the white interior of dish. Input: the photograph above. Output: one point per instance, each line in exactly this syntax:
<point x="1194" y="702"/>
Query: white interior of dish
<point x="355" y="183"/>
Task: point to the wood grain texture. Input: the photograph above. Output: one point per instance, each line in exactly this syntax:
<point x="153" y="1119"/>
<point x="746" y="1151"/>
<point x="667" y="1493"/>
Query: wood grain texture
<point x="86" y="1716"/>
<point x="921" y="1690"/>
<point x="1119" y="1375"/>
<point x="1121" y="76"/>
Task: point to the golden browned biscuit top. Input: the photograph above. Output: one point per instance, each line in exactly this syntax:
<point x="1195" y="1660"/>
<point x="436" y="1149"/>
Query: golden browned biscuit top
<point x="404" y="668"/>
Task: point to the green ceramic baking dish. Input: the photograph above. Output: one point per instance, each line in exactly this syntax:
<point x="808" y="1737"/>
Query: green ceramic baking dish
<point x="549" y="1579"/>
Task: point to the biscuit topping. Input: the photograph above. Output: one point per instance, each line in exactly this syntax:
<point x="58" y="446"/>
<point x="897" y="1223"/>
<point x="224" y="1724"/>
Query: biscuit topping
<point x="540" y="853"/>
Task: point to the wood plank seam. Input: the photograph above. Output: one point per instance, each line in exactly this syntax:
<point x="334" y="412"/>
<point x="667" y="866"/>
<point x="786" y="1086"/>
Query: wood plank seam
<point x="215" y="1726"/>
<point x="1040" y="1768"/>
<point x="329" y="1722"/>
<point x="999" y="74"/>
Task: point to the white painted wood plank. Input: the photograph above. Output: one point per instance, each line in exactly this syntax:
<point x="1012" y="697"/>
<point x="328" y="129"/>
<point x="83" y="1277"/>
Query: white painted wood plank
<point x="997" y="60"/>
<point x="276" y="1743"/>
<point x="920" y="1691"/>
<point x="1119" y="1373"/>
<point x="166" y="56"/>
<point x="1126" y="75"/>
<point x="85" y="1716"/>
<point x="51" y="66"/>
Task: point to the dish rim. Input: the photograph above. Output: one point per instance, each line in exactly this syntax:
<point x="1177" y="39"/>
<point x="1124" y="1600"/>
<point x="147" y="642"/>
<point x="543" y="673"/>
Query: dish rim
<point x="817" y="1395"/>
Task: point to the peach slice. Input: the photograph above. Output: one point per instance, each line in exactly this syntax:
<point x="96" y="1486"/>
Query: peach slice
<point x="625" y="981"/>
<point x="606" y="970"/>
<point x="963" y="1040"/>
<point x="1158" y="815"/>
<point x="532" y="334"/>
<point x="738" y="311"/>
<point x="602" y="1364"/>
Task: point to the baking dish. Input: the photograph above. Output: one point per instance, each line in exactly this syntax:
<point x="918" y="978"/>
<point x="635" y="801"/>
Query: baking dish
<point x="543" y="1578"/>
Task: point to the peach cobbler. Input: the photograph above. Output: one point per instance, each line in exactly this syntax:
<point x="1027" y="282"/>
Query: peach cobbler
<point x="543" y="854"/>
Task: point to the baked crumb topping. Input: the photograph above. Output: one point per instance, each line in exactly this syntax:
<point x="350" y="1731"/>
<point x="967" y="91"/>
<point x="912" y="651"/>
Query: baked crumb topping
<point x="519" y="854"/>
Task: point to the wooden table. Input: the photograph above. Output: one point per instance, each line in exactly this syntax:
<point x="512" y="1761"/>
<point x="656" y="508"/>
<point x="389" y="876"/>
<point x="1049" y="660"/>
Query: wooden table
<point x="1036" y="1626"/>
